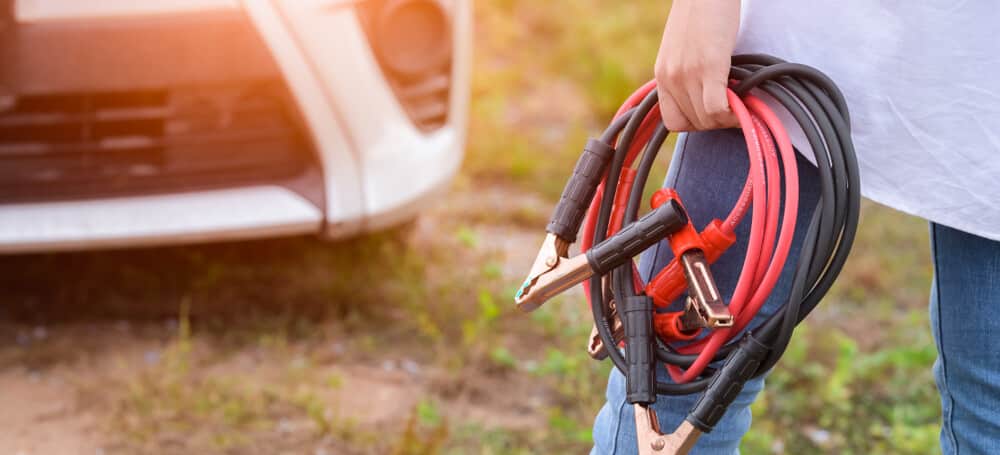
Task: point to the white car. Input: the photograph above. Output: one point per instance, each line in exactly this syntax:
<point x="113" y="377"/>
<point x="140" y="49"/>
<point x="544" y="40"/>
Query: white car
<point x="135" y="123"/>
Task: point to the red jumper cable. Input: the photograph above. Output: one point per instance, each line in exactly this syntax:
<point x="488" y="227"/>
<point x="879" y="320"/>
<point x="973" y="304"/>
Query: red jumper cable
<point x="624" y="307"/>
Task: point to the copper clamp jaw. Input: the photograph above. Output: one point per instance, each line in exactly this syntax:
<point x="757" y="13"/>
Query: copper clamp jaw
<point x="653" y="442"/>
<point x="550" y="274"/>
<point x="704" y="300"/>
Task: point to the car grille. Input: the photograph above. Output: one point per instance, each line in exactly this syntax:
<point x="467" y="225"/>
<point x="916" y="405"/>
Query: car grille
<point x="425" y="99"/>
<point x="100" y="144"/>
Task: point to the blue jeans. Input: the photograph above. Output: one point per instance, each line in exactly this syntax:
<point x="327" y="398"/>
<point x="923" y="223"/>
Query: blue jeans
<point x="965" y="298"/>
<point x="708" y="170"/>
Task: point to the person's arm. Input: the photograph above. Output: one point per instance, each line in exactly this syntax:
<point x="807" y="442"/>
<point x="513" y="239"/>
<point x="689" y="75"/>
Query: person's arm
<point x="692" y="67"/>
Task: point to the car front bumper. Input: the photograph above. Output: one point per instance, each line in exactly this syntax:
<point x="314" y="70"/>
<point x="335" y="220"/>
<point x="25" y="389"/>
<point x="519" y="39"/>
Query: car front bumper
<point x="369" y="166"/>
<point x="227" y="214"/>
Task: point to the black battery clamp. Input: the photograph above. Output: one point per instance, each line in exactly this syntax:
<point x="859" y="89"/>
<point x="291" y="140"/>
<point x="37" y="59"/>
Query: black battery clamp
<point x="742" y="351"/>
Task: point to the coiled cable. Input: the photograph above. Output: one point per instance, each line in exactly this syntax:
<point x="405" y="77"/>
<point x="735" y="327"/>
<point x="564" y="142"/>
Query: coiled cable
<point x="820" y="110"/>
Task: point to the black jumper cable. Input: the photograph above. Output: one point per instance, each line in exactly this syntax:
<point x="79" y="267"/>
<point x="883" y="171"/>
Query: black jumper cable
<point x="693" y="343"/>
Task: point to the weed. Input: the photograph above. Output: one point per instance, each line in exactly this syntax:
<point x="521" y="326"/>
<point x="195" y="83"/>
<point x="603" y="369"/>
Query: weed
<point x="425" y="432"/>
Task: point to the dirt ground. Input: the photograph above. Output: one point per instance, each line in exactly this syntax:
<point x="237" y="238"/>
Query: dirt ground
<point x="57" y="409"/>
<point x="76" y="350"/>
<point x="44" y="412"/>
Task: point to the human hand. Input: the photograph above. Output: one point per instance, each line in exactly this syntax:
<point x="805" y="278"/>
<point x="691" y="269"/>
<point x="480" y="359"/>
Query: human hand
<point x="692" y="67"/>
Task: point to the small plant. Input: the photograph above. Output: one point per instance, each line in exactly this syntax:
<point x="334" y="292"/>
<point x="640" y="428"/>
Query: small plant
<point x="425" y="433"/>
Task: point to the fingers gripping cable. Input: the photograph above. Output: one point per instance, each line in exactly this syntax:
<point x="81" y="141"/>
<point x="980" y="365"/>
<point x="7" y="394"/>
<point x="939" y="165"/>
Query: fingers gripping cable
<point x="705" y="346"/>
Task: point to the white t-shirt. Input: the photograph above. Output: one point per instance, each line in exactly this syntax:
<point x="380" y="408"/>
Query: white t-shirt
<point x="922" y="81"/>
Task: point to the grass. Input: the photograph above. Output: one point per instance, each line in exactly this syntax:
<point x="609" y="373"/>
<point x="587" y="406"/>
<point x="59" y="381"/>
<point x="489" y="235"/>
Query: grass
<point x="293" y="346"/>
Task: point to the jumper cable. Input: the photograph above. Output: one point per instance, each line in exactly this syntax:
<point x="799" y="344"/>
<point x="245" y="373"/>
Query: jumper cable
<point x="705" y="347"/>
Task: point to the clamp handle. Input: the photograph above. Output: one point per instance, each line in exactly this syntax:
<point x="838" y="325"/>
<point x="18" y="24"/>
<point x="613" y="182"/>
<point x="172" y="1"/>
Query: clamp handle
<point x="579" y="190"/>
<point x="727" y="383"/>
<point x="636" y="237"/>
<point x="640" y="379"/>
<point x="670" y="283"/>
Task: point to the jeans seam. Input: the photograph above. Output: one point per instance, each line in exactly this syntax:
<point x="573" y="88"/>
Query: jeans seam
<point x="947" y="416"/>
<point x="618" y="428"/>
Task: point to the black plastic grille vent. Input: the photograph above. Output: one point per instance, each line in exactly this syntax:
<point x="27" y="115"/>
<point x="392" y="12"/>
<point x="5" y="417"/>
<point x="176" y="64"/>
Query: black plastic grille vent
<point x="420" y="75"/>
<point x="425" y="99"/>
<point x="94" y="144"/>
